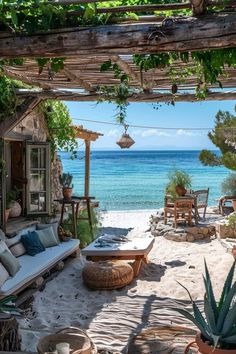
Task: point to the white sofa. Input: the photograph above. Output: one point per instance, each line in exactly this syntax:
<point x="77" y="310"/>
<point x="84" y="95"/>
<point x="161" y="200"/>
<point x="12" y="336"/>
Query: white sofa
<point x="33" y="267"/>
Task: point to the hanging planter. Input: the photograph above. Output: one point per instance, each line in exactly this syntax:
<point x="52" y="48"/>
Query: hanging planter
<point x="125" y="142"/>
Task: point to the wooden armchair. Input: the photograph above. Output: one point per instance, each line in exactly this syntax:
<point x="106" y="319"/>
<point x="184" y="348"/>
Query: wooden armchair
<point x="201" y="201"/>
<point x="181" y="209"/>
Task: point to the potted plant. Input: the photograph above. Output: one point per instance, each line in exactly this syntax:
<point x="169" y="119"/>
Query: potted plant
<point x="217" y="324"/>
<point x="178" y="182"/>
<point x="228" y="187"/>
<point x="67" y="186"/>
<point x="13" y="202"/>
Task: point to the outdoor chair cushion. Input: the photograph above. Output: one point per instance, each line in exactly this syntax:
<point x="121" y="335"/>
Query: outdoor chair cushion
<point x="32" y="243"/>
<point x="47" y="237"/>
<point x="9" y="262"/>
<point x="18" y="249"/>
<point x="31" y="267"/>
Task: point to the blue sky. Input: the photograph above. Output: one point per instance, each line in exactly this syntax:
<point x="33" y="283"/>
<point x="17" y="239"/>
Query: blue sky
<point x="180" y="116"/>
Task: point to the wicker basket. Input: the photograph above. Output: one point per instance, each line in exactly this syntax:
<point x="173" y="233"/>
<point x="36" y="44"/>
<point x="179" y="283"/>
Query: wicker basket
<point x="107" y="275"/>
<point x="80" y="342"/>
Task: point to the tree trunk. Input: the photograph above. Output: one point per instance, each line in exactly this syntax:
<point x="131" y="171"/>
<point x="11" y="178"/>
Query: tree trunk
<point x="9" y="336"/>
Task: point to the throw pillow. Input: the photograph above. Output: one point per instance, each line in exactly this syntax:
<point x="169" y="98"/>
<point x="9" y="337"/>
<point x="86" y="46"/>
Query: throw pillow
<point x="18" y="249"/>
<point x="32" y="243"/>
<point x="10" y="262"/>
<point x="47" y="237"/>
<point x="54" y="225"/>
<point x="12" y="241"/>
<point x="3" y="246"/>
<point x="4" y="275"/>
<point x="2" y="235"/>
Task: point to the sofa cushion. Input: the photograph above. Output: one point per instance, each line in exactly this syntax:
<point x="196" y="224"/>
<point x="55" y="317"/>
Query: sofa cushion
<point x="13" y="240"/>
<point x="18" y="249"/>
<point x="32" y="243"/>
<point x="4" y="275"/>
<point x="54" y="225"/>
<point x="47" y="237"/>
<point x="31" y="267"/>
<point x="9" y="262"/>
<point x="3" y="246"/>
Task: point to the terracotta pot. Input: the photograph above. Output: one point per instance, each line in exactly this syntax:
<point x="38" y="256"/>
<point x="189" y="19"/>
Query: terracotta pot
<point x="204" y="348"/>
<point x="15" y="210"/>
<point x="7" y="212"/>
<point x="234" y="204"/>
<point x="180" y="190"/>
<point x="67" y="193"/>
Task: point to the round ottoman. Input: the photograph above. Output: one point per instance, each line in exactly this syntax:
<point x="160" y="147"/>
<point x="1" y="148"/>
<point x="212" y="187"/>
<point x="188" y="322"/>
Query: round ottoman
<point x="107" y="275"/>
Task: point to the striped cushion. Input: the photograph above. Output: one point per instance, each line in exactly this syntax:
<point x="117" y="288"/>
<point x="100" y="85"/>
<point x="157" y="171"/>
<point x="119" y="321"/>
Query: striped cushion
<point x="18" y="249"/>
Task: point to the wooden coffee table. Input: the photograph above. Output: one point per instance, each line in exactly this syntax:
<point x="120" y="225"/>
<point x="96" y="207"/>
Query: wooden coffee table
<point x="136" y="249"/>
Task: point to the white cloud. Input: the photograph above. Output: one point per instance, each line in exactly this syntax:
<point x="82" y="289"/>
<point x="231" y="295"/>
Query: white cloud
<point x="187" y="133"/>
<point x="153" y="132"/>
<point x="114" y="133"/>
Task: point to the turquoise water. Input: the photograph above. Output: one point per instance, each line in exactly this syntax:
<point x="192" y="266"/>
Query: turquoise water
<point x="131" y="180"/>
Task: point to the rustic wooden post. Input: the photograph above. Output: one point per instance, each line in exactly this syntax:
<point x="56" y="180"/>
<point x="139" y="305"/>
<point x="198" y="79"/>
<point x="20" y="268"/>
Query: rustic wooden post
<point x="2" y="186"/>
<point x="87" y="168"/>
<point x="9" y="336"/>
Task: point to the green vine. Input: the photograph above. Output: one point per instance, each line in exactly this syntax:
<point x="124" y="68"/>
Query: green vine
<point x="59" y="123"/>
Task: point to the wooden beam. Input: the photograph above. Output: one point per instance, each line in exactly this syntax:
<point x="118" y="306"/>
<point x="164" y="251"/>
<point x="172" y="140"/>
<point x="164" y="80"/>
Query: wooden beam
<point x="77" y="80"/>
<point x="135" y="97"/>
<point x="129" y="71"/>
<point x="23" y="77"/>
<point x="22" y="111"/>
<point x="177" y="34"/>
<point x="199" y="7"/>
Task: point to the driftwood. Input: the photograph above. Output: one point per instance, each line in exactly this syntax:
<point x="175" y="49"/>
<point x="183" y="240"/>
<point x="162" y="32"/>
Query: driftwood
<point x="177" y="34"/>
<point x="9" y="336"/>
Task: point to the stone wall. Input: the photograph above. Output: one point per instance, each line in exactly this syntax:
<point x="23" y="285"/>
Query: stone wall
<point x="56" y="189"/>
<point x="224" y="231"/>
<point x="33" y="125"/>
<point x="179" y="234"/>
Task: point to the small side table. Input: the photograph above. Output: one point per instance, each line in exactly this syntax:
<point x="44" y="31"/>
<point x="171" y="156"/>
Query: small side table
<point x="75" y="202"/>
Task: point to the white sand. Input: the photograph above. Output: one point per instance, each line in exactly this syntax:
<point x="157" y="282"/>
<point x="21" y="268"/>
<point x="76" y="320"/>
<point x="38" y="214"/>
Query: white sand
<point x="112" y="316"/>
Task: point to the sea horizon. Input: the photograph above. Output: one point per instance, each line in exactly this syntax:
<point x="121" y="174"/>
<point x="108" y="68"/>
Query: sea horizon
<point x="130" y="180"/>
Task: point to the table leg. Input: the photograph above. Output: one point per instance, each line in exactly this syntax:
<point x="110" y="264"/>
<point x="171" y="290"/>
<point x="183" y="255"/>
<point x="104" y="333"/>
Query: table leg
<point x="62" y="213"/>
<point x="137" y="265"/>
<point x="74" y="221"/>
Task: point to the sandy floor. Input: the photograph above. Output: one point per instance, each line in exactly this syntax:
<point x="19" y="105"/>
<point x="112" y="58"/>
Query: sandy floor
<point x="111" y="317"/>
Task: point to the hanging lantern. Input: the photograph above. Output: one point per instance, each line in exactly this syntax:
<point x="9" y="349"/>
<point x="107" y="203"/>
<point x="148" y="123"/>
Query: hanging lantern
<point x="125" y="142"/>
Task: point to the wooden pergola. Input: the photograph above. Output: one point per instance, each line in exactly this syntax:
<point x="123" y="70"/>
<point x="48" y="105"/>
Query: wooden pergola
<point x="87" y="48"/>
<point x="87" y="136"/>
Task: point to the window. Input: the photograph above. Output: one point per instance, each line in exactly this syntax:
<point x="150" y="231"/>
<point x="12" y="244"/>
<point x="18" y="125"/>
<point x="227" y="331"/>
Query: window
<point x="38" y="176"/>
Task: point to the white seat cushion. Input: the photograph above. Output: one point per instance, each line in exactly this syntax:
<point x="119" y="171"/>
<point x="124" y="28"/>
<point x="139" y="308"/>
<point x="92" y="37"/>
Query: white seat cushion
<point x="31" y="267"/>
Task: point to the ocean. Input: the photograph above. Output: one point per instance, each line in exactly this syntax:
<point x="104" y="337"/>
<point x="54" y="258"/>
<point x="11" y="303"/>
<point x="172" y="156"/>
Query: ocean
<point x="134" y="180"/>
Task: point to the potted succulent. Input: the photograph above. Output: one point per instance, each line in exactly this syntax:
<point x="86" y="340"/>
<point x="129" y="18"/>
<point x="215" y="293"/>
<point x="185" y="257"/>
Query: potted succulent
<point x="218" y="323"/>
<point x="67" y="186"/>
<point x="228" y="187"/>
<point x="178" y="183"/>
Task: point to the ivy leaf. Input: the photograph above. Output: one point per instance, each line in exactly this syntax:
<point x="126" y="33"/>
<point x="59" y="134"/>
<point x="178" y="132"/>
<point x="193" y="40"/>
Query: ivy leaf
<point x="89" y="12"/>
<point x="14" y="18"/>
<point x="106" y="66"/>
<point x="41" y="63"/>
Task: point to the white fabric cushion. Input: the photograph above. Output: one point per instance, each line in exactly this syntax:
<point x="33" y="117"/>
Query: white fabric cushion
<point x="32" y="267"/>
<point x="2" y="235"/>
<point x="13" y="240"/>
<point x="4" y="275"/>
<point x="18" y="249"/>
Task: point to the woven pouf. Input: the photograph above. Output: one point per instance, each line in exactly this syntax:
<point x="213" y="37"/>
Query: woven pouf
<point x="107" y="275"/>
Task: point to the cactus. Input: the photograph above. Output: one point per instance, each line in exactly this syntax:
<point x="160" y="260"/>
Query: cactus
<point x="65" y="180"/>
<point x="218" y="326"/>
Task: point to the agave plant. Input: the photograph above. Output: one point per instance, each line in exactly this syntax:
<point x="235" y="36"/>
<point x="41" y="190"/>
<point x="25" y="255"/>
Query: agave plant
<point x="218" y="326"/>
<point x="8" y="307"/>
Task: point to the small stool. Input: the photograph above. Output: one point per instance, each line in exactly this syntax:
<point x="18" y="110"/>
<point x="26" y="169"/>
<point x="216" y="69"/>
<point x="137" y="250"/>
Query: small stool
<point x="107" y="275"/>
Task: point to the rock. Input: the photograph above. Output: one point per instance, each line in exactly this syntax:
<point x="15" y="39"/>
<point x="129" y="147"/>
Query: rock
<point x="176" y="237"/>
<point x="191" y="267"/>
